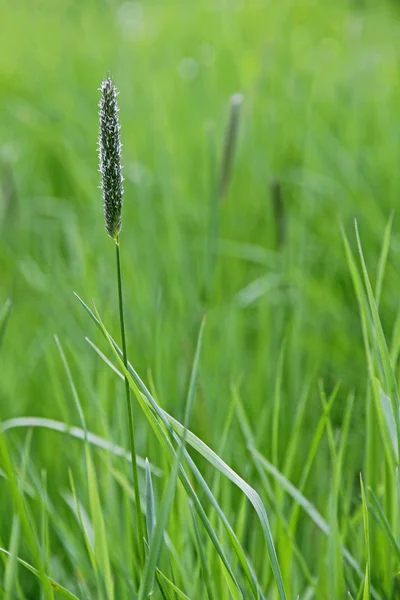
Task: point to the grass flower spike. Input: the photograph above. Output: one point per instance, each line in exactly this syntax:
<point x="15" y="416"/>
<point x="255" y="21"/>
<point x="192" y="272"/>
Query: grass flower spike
<point x="113" y="190"/>
<point x="110" y="158"/>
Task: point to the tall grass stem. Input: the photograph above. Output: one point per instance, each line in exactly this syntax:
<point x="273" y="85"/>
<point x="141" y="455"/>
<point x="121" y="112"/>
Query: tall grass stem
<point x="140" y="529"/>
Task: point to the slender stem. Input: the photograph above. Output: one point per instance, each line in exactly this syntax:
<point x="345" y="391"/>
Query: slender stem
<point x="140" y="529"/>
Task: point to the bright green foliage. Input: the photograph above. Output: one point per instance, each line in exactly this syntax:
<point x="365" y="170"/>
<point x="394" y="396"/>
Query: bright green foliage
<point x="254" y="134"/>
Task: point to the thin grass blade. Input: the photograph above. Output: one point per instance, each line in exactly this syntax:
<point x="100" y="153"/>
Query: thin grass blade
<point x="157" y="537"/>
<point x="150" y="502"/>
<point x="310" y="510"/>
<point x="56" y="586"/>
<point x="155" y="414"/>
<point x="78" y="433"/>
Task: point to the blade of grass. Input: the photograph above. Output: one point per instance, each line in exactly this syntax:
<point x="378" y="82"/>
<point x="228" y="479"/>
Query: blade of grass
<point x="157" y="537"/>
<point x="45" y="542"/>
<point x="100" y="536"/>
<point x="10" y="574"/>
<point x="17" y="494"/>
<point x="207" y="579"/>
<point x="366" y="595"/>
<point x="75" y="432"/>
<point x="172" y="585"/>
<point x="56" y="586"/>
<point x="312" y="454"/>
<point x="88" y="534"/>
<point x="22" y="480"/>
<point x="383" y="258"/>
<point x="150" y="502"/>
<point x="390" y="422"/>
<point x="100" y="533"/>
<point x="72" y="386"/>
<point x="310" y="510"/>
<point x="146" y="401"/>
<point x="251" y="494"/>
<point x="377" y="512"/>
<point x="250" y="441"/>
<point x="390" y="378"/>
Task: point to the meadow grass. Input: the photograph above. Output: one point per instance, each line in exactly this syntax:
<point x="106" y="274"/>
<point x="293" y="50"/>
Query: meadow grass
<point x="268" y="434"/>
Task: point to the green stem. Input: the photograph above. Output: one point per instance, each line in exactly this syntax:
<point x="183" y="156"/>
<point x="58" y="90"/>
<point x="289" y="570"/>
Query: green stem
<point x="140" y="529"/>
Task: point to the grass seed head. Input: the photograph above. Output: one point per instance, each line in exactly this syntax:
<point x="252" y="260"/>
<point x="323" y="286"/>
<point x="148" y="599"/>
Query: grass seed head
<point x="110" y="158"/>
<point x="231" y="134"/>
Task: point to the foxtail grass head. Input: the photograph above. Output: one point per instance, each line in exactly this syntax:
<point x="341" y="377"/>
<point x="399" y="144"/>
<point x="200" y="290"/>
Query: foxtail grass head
<point x="231" y="134"/>
<point x="110" y="158"/>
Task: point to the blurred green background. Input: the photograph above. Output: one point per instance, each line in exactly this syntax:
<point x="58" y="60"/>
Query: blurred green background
<point x="321" y="115"/>
<point x="320" y="85"/>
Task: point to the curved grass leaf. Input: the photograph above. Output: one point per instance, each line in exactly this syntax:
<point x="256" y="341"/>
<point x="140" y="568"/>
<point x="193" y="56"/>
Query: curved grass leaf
<point x="160" y="425"/>
<point x="16" y="488"/>
<point x="377" y="512"/>
<point x="387" y="370"/>
<point x="56" y="586"/>
<point x="103" y="563"/>
<point x="251" y="494"/>
<point x="172" y="585"/>
<point x="143" y="397"/>
<point x="310" y="510"/>
<point x="156" y="540"/>
<point x="78" y="433"/>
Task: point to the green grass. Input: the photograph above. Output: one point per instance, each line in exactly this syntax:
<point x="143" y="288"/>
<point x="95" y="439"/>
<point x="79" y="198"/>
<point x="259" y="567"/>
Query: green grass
<point x="258" y="494"/>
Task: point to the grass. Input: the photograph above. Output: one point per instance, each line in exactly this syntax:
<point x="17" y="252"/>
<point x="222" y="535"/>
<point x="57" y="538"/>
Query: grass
<point x="258" y="494"/>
